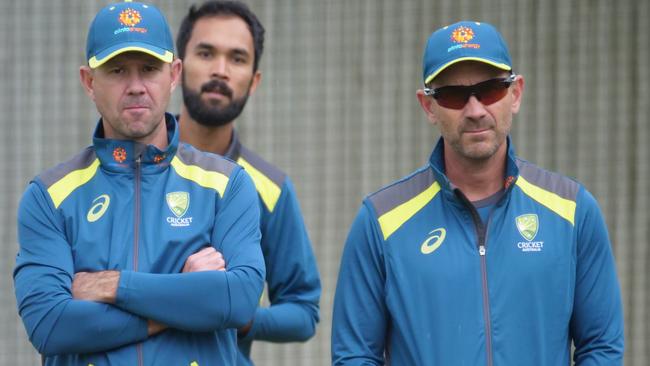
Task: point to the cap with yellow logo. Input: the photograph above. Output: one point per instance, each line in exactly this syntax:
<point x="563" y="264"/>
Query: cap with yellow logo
<point x="128" y="26"/>
<point x="464" y="41"/>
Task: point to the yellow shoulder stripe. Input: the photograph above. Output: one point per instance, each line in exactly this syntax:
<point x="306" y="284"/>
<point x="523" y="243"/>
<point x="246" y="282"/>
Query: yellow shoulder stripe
<point x="561" y="206"/>
<point x="268" y="190"/>
<point x="73" y="180"/>
<point x="393" y="219"/>
<point x="200" y="176"/>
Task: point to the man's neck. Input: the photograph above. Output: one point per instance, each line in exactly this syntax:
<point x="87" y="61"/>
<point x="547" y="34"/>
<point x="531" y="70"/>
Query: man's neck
<point x="205" y="138"/>
<point x="158" y="137"/>
<point x="477" y="179"/>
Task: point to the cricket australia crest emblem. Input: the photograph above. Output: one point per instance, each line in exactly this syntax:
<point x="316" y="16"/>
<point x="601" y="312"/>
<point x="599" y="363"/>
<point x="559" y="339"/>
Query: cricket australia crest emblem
<point x="178" y="203"/>
<point x="528" y="226"/>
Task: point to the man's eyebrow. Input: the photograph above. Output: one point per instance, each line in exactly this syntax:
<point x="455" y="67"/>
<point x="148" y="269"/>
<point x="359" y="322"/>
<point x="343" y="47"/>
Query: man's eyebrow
<point x="204" y="45"/>
<point x="209" y="47"/>
<point x="240" y="51"/>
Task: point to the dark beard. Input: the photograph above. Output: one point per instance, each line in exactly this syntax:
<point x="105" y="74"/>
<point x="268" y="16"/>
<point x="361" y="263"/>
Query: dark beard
<point x="212" y="115"/>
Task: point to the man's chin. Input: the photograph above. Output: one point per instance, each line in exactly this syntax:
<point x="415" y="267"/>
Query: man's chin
<point x="214" y="100"/>
<point x="137" y="116"/>
<point x="480" y="151"/>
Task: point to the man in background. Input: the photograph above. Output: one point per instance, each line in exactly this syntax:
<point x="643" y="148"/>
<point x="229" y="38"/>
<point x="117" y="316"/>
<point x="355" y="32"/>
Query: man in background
<point x="221" y="44"/>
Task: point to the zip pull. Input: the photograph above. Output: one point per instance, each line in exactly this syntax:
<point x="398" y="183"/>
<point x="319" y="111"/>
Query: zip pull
<point x="481" y="250"/>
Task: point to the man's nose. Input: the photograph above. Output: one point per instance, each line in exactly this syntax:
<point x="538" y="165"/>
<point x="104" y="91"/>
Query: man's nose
<point x="474" y="108"/>
<point x="136" y="84"/>
<point x="220" y="69"/>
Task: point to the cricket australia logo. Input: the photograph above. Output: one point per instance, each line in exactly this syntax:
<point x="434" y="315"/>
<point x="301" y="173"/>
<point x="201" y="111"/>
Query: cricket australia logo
<point x="178" y="203"/>
<point x="528" y="225"/>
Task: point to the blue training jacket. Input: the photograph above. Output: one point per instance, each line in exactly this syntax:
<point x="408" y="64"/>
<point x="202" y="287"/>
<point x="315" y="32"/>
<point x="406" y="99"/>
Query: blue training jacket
<point x="291" y="272"/>
<point x="424" y="282"/>
<point x="121" y="205"/>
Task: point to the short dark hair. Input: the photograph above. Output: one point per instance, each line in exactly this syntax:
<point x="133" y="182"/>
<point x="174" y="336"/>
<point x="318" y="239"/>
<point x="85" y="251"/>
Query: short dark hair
<point x="216" y="8"/>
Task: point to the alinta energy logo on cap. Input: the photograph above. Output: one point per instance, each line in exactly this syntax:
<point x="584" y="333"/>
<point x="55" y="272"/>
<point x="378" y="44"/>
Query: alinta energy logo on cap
<point x="130" y="18"/>
<point x="463" y="35"/>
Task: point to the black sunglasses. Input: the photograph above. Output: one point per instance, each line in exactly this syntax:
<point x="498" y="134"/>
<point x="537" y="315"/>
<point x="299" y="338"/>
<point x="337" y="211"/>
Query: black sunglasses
<point x="456" y="96"/>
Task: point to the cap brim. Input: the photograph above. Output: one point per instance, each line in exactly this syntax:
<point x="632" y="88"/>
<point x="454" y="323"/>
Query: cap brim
<point x="102" y="57"/>
<point x="498" y="65"/>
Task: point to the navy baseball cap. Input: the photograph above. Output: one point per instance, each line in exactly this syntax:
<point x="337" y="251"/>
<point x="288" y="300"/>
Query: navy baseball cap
<point x="464" y="41"/>
<point x="128" y="26"/>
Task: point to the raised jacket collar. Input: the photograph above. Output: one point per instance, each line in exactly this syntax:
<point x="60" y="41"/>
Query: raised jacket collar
<point x="123" y="155"/>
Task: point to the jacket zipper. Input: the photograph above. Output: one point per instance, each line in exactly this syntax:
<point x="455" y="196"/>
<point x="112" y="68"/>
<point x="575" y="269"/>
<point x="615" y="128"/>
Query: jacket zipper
<point x="486" y="304"/>
<point x="481" y="236"/>
<point x="136" y="233"/>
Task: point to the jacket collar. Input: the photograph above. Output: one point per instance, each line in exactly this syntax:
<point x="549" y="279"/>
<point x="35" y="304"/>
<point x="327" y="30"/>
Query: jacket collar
<point x="437" y="163"/>
<point x="122" y="155"/>
<point x="234" y="148"/>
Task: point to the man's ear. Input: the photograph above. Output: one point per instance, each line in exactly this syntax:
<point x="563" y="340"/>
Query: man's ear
<point x="427" y="104"/>
<point x="176" y="69"/>
<point x="86" y="78"/>
<point x="517" y="93"/>
<point x="255" y="82"/>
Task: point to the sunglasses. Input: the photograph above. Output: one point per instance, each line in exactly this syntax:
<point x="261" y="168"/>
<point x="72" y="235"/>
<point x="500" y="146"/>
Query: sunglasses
<point x="456" y="96"/>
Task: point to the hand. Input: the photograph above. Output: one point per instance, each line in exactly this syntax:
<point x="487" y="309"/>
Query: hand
<point x="243" y="331"/>
<point x="96" y="286"/>
<point x="153" y="327"/>
<point x="206" y="259"/>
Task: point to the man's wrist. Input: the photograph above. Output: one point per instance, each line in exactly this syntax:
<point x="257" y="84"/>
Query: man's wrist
<point x="96" y="286"/>
<point x="110" y="283"/>
<point x="105" y="285"/>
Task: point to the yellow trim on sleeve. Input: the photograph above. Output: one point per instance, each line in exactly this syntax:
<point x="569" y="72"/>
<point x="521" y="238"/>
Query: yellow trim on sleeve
<point x="268" y="190"/>
<point x="60" y="190"/>
<point x="561" y="206"/>
<point x="200" y="176"/>
<point x="393" y="219"/>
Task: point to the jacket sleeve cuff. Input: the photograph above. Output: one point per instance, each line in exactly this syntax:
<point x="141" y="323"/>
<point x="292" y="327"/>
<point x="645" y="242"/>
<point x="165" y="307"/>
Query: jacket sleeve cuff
<point x="123" y="289"/>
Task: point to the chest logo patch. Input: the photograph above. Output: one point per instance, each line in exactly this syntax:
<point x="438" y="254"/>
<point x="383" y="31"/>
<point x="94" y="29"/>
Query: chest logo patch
<point x="434" y="241"/>
<point x="527" y="225"/>
<point x="178" y="203"/>
<point x="99" y="207"/>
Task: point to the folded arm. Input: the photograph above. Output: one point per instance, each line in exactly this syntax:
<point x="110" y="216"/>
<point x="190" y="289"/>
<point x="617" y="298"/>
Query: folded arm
<point x="55" y="322"/>
<point x="207" y="300"/>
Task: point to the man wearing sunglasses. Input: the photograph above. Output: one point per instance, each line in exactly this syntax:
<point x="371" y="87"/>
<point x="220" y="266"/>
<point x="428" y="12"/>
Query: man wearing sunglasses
<point x="479" y="257"/>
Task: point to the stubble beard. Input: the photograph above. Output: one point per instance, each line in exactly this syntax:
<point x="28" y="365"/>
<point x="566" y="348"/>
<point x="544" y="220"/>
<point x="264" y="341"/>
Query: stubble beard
<point x="478" y="150"/>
